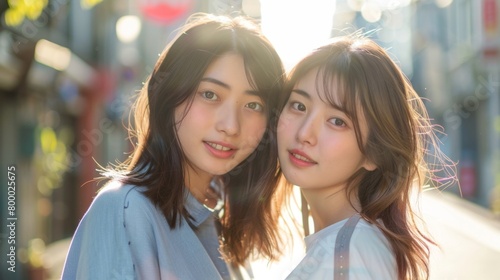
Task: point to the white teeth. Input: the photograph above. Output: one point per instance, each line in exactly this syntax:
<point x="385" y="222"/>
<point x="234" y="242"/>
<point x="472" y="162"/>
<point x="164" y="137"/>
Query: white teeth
<point x="301" y="157"/>
<point x="219" y="147"/>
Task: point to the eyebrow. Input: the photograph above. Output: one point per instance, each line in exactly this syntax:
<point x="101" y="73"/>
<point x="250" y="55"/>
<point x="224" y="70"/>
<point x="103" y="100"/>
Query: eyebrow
<point x="302" y="93"/>
<point x="226" y="86"/>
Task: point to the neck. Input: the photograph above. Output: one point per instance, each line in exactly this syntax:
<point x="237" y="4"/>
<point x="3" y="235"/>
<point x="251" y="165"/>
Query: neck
<point x="329" y="208"/>
<point x="198" y="185"/>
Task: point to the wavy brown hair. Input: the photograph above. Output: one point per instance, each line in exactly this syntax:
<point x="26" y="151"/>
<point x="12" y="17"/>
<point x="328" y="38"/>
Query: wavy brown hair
<point x="401" y="141"/>
<point x="250" y="216"/>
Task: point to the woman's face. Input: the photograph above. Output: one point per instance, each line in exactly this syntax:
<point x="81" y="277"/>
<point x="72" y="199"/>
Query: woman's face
<point x="317" y="142"/>
<point x="225" y="121"/>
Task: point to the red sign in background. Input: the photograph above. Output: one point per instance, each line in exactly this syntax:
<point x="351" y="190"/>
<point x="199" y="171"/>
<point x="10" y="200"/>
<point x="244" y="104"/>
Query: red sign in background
<point x="165" y="11"/>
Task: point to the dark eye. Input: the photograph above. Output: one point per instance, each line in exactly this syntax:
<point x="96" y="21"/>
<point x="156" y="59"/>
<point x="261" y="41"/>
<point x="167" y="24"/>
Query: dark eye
<point x="209" y="95"/>
<point x="255" y="106"/>
<point x="298" y="106"/>
<point x="337" y="122"/>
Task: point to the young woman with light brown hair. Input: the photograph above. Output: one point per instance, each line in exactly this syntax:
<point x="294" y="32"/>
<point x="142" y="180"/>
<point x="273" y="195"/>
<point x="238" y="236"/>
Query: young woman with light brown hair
<point x="355" y="137"/>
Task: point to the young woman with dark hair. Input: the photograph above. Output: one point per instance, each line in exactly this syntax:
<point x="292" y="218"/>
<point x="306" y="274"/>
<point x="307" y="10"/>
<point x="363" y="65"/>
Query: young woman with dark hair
<point x="197" y="197"/>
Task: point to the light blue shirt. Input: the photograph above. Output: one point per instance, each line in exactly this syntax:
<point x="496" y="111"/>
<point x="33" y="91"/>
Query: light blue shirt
<point x="124" y="236"/>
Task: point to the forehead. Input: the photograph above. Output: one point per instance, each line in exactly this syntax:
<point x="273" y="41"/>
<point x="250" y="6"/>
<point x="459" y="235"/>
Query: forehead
<point x="327" y="88"/>
<point x="224" y="62"/>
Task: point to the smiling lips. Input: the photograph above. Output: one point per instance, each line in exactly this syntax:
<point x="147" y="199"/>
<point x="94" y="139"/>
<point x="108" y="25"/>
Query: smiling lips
<point x="300" y="159"/>
<point x="220" y="150"/>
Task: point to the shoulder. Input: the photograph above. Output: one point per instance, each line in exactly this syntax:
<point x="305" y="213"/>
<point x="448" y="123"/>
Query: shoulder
<point x="367" y="236"/>
<point x="129" y="200"/>
<point x="371" y="253"/>
<point x="114" y="199"/>
<point x="114" y="190"/>
<point x="107" y="204"/>
<point x="115" y="193"/>
<point x="99" y="245"/>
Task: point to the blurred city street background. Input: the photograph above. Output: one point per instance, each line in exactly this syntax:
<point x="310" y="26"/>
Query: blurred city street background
<point x="69" y="69"/>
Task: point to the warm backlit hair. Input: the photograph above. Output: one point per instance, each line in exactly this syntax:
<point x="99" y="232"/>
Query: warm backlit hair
<point x="249" y="221"/>
<point x="401" y="140"/>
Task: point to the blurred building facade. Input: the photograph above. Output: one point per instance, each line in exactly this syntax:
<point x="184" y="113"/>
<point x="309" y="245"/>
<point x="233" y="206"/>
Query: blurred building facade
<point x="59" y="120"/>
<point x="457" y="66"/>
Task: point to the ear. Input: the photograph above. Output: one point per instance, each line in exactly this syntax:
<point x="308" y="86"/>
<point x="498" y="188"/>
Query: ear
<point x="369" y="165"/>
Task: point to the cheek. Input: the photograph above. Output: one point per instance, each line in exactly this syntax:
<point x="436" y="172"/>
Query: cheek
<point x="285" y="127"/>
<point x="254" y="131"/>
<point x="182" y="112"/>
<point x="197" y="115"/>
<point x="344" y="154"/>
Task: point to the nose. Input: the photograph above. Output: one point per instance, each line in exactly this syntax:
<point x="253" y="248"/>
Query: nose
<point x="228" y="120"/>
<point x="308" y="131"/>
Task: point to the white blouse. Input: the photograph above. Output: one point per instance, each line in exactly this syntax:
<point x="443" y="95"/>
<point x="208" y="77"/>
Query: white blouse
<point x="370" y="254"/>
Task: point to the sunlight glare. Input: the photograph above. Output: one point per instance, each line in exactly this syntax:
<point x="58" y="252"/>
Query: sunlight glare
<point x="128" y="28"/>
<point x="303" y="26"/>
<point x="371" y="12"/>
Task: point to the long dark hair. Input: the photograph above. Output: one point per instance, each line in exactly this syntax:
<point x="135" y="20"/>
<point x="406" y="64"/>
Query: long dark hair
<point x="249" y="222"/>
<point x="399" y="141"/>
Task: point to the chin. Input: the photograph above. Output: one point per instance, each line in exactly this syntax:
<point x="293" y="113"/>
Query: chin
<point x="292" y="180"/>
<point x="220" y="171"/>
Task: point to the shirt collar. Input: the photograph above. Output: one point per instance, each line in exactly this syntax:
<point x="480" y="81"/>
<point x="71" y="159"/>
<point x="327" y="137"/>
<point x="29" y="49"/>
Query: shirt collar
<point x="198" y="211"/>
